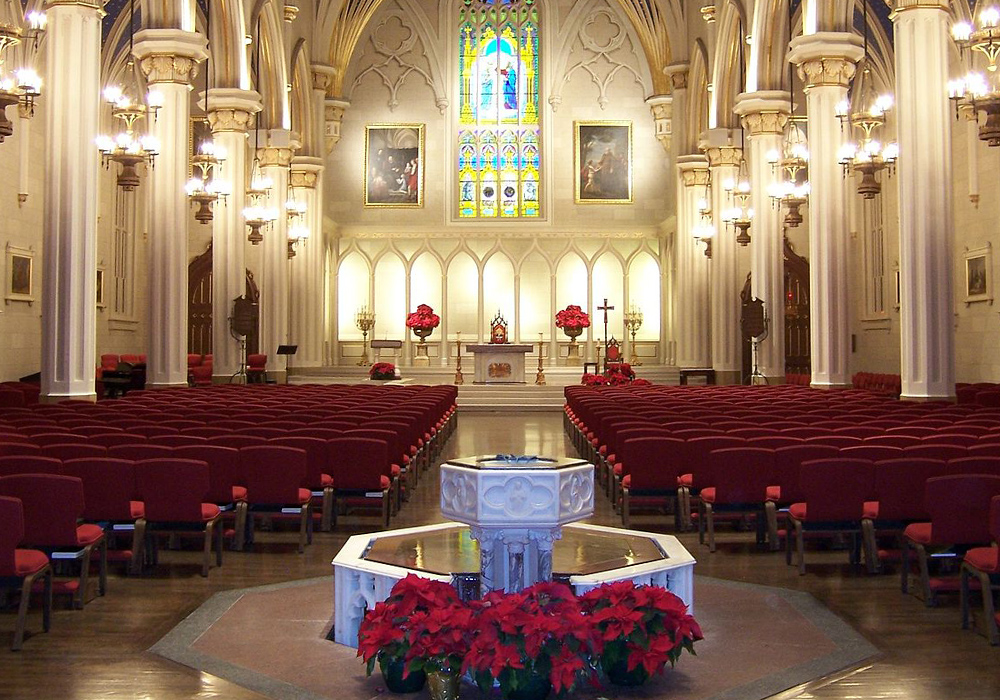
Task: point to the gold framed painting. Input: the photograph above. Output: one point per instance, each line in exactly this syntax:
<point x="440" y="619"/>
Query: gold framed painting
<point x="978" y="274"/>
<point x="20" y="274"/>
<point x="394" y="165"/>
<point x="603" y="162"/>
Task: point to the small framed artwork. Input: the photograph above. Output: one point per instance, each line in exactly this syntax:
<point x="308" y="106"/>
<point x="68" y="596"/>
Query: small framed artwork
<point x="20" y="274"/>
<point x="394" y="165"/>
<point x="978" y="274"/>
<point x="896" y="287"/>
<point x="100" y="288"/>
<point x="603" y="162"/>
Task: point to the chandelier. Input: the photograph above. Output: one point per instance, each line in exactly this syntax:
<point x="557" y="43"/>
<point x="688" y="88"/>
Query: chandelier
<point x="23" y="85"/>
<point x="740" y="214"/>
<point x="791" y="191"/>
<point x="257" y="214"/>
<point x="298" y="232"/>
<point x="704" y="230"/>
<point x="866" y="114"/>
<point x="975" y="91"/>
<point x="206" y="187"/>
<point x="127" y="148"/>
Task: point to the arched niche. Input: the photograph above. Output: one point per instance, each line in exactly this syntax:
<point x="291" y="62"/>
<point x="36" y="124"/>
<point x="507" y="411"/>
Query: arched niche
<point x="463" y="296"/>
<point x="390" y="298"/>
<point x="609" y="283"/>
<point x="353" y="283"/>
<point x="644" y="293"/>
<point x="498" y="290"/>
<point x="425" y="282"/>
<point x="571" y="282"/>
<point x="536" y="298"/>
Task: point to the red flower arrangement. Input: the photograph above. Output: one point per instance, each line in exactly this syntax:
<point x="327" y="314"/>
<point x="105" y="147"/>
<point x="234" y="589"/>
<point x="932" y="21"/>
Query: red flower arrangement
<point x="640" y="629"/>
<point x="536" y="636"/>
<point x="382" y="370"/>
<point x="572" y="317"/>
<point x="423" y="317"/>
<point x="618" y="375"/>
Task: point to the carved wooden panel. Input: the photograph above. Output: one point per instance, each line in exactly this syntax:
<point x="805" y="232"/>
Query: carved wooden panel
<point x="200" y="306"/>
<point x="797" y="347"/>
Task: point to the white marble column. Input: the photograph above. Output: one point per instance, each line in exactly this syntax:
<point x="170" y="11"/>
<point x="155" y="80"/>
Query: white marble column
<point x="691" y="298"/>
<point x="826" y="63"/>
<point x="69" y="254"/>
<point x="764" y="116"/>
<point x="230" y="111"/>
<point x="926" y="227"/>
<point x="169" y="59"/>
<point x="275" y="157"/>
<point x="726" y="284"/>
<point x="306" y="269"/>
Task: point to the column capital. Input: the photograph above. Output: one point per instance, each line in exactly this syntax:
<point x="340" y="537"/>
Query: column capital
<point x="333" y="113"/>
<point x="678" y="74"/>
<point x="826" y="58"/>
<point x="170" y="55"/>
<point x="305" y="171"/>
<point x="693" y="170"/>
<point x="322" y="76"/>
<point x="901" y="5"/>
<point x="720" y="156"/>
<point x="662" y="108"/>
<point x="230" y="109"/>
<point x="764" y="111"/>
<point x="276" y="147"/>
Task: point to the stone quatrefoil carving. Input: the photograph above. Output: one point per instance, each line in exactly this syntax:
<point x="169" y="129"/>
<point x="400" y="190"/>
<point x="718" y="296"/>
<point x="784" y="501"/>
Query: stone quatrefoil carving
<point x="518" y="497"/>
<point x="458" y="492"/>
<point x="575" y="494"/>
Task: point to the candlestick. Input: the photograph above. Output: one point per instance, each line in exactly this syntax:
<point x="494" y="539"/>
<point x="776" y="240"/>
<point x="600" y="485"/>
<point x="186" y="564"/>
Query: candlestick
<point x="364" y="319"/>
<point x="540" y="377"/>
<point x="459" y="379"/>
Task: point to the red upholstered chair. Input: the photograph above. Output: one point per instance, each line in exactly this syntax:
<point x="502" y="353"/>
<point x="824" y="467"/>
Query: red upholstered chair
<point x="52" y="506"/>
<point x="119" y="438"/>
<point x="109" y="362"/>
<point x="10" y="447"/>
<point x="735" y="481"/>
<point x="944" y="452"/>
<point x="273" y="478"/>
<point x="225" y="489"/>
<point x="975" y="465"/>
<point x="237" y="441"/>
<point x="835" y="491"/>
<point x="22" y="567"/>
<point x="949" y="438"/>
<point x="29" y="464"/>
<point x="140" y="452"/>
<point x="206" y="431"/>
<point x="959" y="508"/>
<point x="148" y="431"/>
<point x="651" y="470"/>
<point x="698" y="450"/>
<point x="773" y="442"/>
<point x="357" y="466"/>
<point x="614" y="486"/>
<point x="57" y="438"/>
<point x="173" y="491"/>
<point x="256" y="369"/>
<point x="73" y="451"/>
<point x="397" y="453"/>
<point x="317" y="480"/>
<point x="984" y="564"/>
<point x="109" y="490"/>
<point x="894" y="440"/>
<point x="201" y="375"/>
<point x="177" y="440"/>
<point x="977" y="450"/>
<point x="835" y="440"/>
<point x="875" y="453"/>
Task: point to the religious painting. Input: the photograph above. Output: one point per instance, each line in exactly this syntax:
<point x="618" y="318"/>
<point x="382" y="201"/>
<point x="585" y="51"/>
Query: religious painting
<point x="978" y="282"/>
<point x="20" y="273"/>
<point x="394" y="165"/>
<point x="603" y="160"/>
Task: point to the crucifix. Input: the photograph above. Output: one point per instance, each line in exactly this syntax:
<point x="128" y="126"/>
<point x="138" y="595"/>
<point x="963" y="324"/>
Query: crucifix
<point x="605" y="309"/>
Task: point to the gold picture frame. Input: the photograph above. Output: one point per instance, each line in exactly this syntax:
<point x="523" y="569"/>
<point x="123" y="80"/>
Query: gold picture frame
<point x="978" y="274"/>
<point x="603" y="162"/>
<point x="20" y="274"/>
<point x="394" y="165"/>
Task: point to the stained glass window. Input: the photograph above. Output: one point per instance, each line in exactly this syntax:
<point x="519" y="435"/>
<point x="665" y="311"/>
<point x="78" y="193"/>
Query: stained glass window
<point x="498" y="138"/>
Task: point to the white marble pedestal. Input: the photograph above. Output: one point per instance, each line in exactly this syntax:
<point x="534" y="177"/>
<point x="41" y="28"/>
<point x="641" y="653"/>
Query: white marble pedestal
<point x="516" y="512"/>
<point x="499" y="363"/>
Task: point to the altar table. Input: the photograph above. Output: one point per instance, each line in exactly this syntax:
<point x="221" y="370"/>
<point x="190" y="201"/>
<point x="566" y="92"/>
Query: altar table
<point x="498" y="363"/>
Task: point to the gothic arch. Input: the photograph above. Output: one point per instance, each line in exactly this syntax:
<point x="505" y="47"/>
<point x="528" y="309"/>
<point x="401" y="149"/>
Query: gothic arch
<point x="226" y="45"/>
<point x="696" y="119"/>
<point x="272" y="79"/>
<point x="827" y="16"/>
<point x="768" y="59"/>
<point x="730" y="48"/>
<point x="300" y="107"/>
<point x="168" y="14"/>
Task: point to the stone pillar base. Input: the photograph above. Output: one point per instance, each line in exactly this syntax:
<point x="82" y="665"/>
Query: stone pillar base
<point x="816" y="385"/>
<point x="56" y="398"/>
<point x="173" y="385"/>
<point x="421" y="361"/>
<point x="573" y="358"/>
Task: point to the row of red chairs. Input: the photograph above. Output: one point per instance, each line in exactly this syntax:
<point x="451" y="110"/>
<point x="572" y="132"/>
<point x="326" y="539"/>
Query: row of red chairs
<point x="888" y="384"/>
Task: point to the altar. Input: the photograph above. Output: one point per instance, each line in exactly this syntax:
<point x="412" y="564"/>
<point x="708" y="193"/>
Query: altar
<point x="499" y="363"/>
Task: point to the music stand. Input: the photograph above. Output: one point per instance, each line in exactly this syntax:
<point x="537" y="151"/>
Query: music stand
<point x="287" y="349"/>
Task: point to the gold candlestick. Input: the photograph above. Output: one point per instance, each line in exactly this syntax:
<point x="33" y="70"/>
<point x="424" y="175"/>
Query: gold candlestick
<point x="540" y="377"/>
<point x="364" y="319"/>
<point x="633" y="320"/>
<point x="459" y="379"/>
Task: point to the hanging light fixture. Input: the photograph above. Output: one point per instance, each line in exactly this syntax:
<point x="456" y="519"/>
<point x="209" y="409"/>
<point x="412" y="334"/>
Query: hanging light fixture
<point x="865" y="112"/>
<point x="128" y="149"/>
<point x="206" y="187"/>
<point x="20" y="86"/>
<point x="257" y="214"/>
<point x="975" y="91"/>
<point x="298" y="232"/>
<point x="740" y="215"/>
<point x="704" y="230"/>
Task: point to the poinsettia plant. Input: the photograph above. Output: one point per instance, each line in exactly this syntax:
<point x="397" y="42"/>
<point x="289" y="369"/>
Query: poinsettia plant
<point x="417" y="607"/>
<point x="423" y="317"/>
<point x="639" y="627"/>
<point x="572" y="317"/>
<point x="617" y="375"/>
<point x="539" y="633"/>
<point x="382" y="370"/>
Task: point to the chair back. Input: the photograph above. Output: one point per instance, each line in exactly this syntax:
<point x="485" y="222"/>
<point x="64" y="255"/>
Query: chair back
<point x="272" y="474"/>
<point x="172" y="489"/>
<point x="317" y="456"/>
<point x="256" y="361"/>
<point x="392" y="439"/>
<point x="113" y="439"/>
<point x="739" y="474"/>
<point x="149" y="431"/>
<point x="140" y="452"/>
<point x="653" y="463"/>
<point x="317" y="431"/>
<point x="52" y="505"/>
<point x="834" y="440"/>
<point x="29" y="464"/>
<point x="177" y="440"/>
<point x="899" y="487"/>
<point x="975" y="465"/>
<point x="892" y="440"/>
<point x="995" y="519"/>
<point x="698" y="450"/>
<point x="959" y="506"/>
<point x="944" y="452"/>
<point x="10" y="447"/>
<point x="74" y="451"/>
<point x="773" y="442"/>
<point x="11" y="533"/>
<point x="836" y="489"/>
<point x="237" y="441"/>
<point x="223" y="469"/>
<point x="358" y="464"/>
<point x="875" y="453"/>
<point x="108" y="486"/>
<point x="57" y="438"/>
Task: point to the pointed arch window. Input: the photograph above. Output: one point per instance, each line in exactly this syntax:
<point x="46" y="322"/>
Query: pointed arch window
<point x="499" y="130"/>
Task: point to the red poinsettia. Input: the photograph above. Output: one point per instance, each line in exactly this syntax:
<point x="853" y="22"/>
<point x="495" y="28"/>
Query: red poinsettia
<point x="639" y="626"/>
<point x="382" y="370"/>
<point x="540" y="631"/>
<point x="572" y="317"/>
<point x="423" y="317"/>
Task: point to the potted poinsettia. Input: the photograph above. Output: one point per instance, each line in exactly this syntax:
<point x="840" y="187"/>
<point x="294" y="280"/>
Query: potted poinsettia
<point x="640" y="629"/>
<point x="382" y="370"/>
<point x="438" y="641"/>
<point x="531" y="642"/>
<point x="423" y="321"/>
<point x="572" y="320"/>
<point x="388" y="631"/>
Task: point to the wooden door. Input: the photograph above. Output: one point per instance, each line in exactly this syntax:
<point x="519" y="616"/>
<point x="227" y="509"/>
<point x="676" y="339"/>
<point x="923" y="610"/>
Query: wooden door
<point x="200" y="306"/>
<point x="797" y="348"/>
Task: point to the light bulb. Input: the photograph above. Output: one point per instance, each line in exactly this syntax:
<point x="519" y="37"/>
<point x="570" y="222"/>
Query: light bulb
<point x="961" y="31"/>
<point x="112" y="94"/>
<point x="154" y="98"/>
